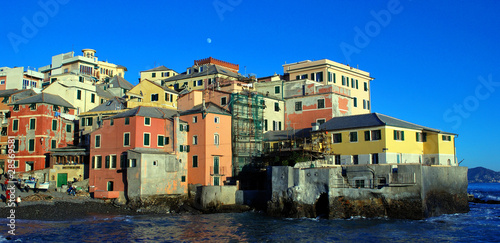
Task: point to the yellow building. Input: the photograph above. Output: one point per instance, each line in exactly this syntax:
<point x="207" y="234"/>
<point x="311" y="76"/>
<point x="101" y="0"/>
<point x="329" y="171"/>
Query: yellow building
<point x="332" y="73"/>
<point x="379" y="139"/>
<point x="157" y="74"/>
<point x="148" y="93"/>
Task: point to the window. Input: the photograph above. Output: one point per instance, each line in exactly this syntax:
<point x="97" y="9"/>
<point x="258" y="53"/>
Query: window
<point x="154" y="97"/>
<point x="337" y="159"/>
<point x="276" y="89"/>
<point x="367" y="104"/>
<point x="31" y="145"/>
<point x="183" y="178"/>
<point x="132" y="163"/>
<point x="353" y="137"/>
<point x="195" y="161"/>
<point x="16" y="145"/>
<point x="421" y="137"/>
<point x="92" y="98"/>
<point x="366" y="86"/>
<point x="446" y="138"/>
<point x="16" y="108"/>
<point x="68" y="128"/>
<point x="32" y="124"/>
<point x="146" y="141"/>
<point x="147" y="121"/>
<point x="195" y="140"/>
<point x="357" y="84"/>
<point x="97" y="162"/>
<point x="80" y="79"/>
<point x="15" y="125"/>
<point x="78" y="94"/>
<point x="298" y="106"/>
<point x="343" y="80"/>
<point x="304" y="76"/>
<point x="265" y="125"/>
<point x="113" y="162"/>
<point x="355" y="102"/>
<point x="355" y="159"/>
<point x="97" y="141"/>
<point x="319" y="77"/>
<point x="111" y="122"/>
<point x="312" y="76"/>
<point x="89" y="121"/>
<point x="360" y="183"/>
<point x="167" y="140"/>
<point x="216" y="119"/>
<point x="53" y="144"/>
<point x="200" y="82"/>
<point x="373" y="135"/>
<point x="161" y="140"/>
<point x="195" y="119"/>
<point x="223" y="101"/>
<point x="364" y="104"/>
<point x="321" y="103"/>
<point x="374" y="159"/>
<point x="399" y="135"/>
<point x="216" y="139"/>
<point x="107" y="162"/>
<point x="153" y="75"/>
<point x="276" y="106"/>
<point x="329" y="76"/>
<point x="126" y="139"/>
<point x="127" y="120"/>
<point x="320" y="121"/>
<point x="337" y="137"/>
<point x="33" y="107"/>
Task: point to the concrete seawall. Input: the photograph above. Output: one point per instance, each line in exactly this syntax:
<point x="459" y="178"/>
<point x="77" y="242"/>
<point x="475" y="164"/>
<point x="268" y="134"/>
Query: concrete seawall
<point x="410" y="191"/>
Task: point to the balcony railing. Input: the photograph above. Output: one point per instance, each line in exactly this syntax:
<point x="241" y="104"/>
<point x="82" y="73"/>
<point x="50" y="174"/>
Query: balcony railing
<point x="220" y="170"/>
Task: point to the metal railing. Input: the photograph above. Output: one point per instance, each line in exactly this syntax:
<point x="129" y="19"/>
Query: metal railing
<point x="220" y="170"/>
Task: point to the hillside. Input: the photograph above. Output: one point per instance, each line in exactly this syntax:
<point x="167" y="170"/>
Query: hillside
<point x="483" y="175"/>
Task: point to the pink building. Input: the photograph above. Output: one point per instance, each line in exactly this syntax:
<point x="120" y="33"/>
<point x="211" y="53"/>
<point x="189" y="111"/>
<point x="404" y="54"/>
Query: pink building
<point x="210" y="154"/>
<point x="139" y="152"/>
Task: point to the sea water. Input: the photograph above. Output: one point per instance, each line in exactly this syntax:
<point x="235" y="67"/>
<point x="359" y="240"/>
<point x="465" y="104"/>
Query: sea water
<point x="482" y="223"/>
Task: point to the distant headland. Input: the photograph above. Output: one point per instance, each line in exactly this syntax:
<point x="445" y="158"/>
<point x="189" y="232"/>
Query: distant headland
<point x="483" y="175"/>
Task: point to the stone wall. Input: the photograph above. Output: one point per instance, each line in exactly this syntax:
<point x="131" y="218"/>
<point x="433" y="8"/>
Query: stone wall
<point x="408" y="191"/>
<point x="214" y="196"/>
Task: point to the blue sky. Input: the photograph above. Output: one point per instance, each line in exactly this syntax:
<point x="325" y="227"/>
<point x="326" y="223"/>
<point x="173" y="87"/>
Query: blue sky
<point x="434" y="64"/>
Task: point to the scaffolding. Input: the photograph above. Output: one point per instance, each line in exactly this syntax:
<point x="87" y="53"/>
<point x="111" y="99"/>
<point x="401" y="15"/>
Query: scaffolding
<point x="247" y="109"/>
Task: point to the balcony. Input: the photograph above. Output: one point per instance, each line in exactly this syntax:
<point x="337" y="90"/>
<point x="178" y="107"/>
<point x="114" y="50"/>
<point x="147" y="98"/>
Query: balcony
<point x="218" y="171"/>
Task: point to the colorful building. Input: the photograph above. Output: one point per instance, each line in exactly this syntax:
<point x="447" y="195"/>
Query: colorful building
<point x="123" y="142"/>
<point x="210" y="151"/>
<point x="148" y="93"/>
<point x="379" y="139"/>
<point x="86" y="65"/>
<point x="328" y="72"/>
<point x="40" y="123"/>
<point x="157" y="74"/>
<point x="20" y="78"/>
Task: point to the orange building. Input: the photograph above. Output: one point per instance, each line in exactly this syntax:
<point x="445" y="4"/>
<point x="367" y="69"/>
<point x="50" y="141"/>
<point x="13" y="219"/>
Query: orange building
<point x="210" y="155"/>
<point x="118" y="150"/>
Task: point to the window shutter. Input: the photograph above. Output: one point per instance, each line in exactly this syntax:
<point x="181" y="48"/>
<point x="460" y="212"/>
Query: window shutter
<point x="187" y="128"/>
<point x="402" y="135"/>
<point x="367" y="135"/>
<point x="181" y="148"/>
<point x="181" y="128"/>
<point x="187" y="148"/>
<point x="395" y="135"/>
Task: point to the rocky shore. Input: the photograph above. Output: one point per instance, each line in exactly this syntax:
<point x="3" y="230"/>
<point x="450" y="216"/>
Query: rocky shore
<point x="61" y="206"/>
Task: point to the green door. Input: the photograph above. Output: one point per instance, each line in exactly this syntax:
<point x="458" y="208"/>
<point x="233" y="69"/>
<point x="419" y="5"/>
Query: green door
<point x="216" y="165"/>
<point x="62" y="179"/>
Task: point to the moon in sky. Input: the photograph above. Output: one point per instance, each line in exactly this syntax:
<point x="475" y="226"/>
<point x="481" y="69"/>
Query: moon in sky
<point x="209" y="40"/>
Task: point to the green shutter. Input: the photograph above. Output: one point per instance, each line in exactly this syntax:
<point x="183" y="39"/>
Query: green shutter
<point x="402" y="135"/>
<point x="395" y="135"/>
<point x="187" y="128"/>
<point x="367" y="135"/>
<point x="181" y="127"/>
<point x="181" y="148"/>
<point x="187" y="148"/>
